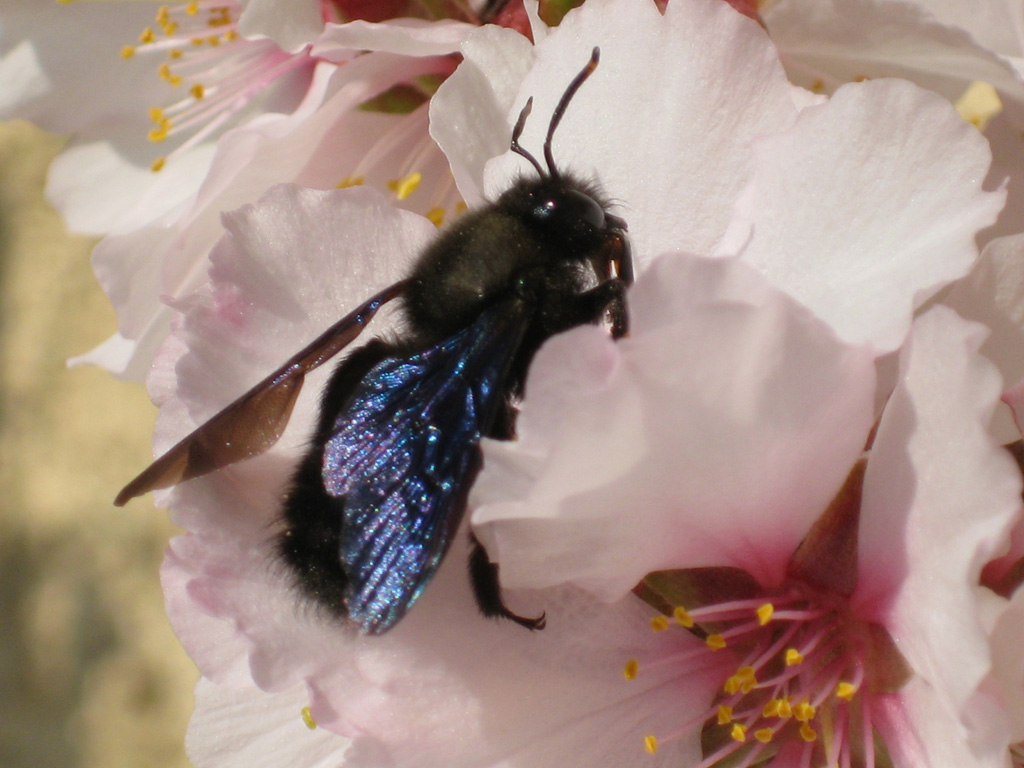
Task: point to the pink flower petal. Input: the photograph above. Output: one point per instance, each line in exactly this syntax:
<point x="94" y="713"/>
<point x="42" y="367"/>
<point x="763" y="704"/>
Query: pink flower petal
<point x="714" y="435"/>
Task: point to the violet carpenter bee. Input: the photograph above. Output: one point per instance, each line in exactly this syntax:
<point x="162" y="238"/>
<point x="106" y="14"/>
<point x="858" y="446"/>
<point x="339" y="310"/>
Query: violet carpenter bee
<point x="375" y="503"/>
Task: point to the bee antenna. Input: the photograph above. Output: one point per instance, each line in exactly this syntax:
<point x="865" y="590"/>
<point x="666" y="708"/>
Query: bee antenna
<point x="556" y="116"/>
<point x="518" y="131"/>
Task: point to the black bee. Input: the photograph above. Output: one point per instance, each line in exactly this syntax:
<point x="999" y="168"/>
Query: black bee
<point x="374" y="505"/>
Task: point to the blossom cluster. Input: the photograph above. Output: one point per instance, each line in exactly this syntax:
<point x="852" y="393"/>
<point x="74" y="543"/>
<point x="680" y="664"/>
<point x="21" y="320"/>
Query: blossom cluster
<point x="778" y="523"/>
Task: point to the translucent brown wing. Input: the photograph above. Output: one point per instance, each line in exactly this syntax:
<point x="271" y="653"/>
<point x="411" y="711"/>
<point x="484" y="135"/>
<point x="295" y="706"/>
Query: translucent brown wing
<point x="255" y="421"/>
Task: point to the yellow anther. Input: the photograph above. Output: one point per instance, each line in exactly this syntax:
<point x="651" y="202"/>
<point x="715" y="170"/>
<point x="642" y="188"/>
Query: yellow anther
<point x="807" y="733"/>
<point x="630" y="670"/>
<point x="724" y="714"/>
<point x="436" y="216"/>
<point x="350" y="181"/>
<point x="659" y="623"/>
<point x="192" y="8"/>
<point x="213" y="40"/>
<point x="785" y="708"/>
<point x="197" y="91"/>
<point x="197" y="41"/>
<point x="157" y="164"/>
<point x="128" y="51"/>
<point x="230" y="35"/>
<point x="732" y="685"/>
<point x="405" y="187"/>
<point x="818" y="86"/>
<point x="979" y="104"/>
<point x="748" y="685"/>
<point x="156" y="135"/>
<point x="307" y="718"/>
<point x="460" y="207"/>
<point x="765" y="612"/>
<point x="793" y="657"/>
<point x="682" y="617"/>
<point x="169" y="28"/>
<point x="771" y="709"/>
<point x="156" y="115"/>
<point x="650" y="744"/>
<point x="715" y="642"/>
<point x="746" y="673"/>
<point x="164" y="70"/>
<point x="804" y="711"/>
<point x="147" y="36"/>
<point x="764" y="735"/>
<point x="738" y="732"/>
<point x="175" y="54"/>
<point x="163" y="13"/>
<point x="846" y="690"/>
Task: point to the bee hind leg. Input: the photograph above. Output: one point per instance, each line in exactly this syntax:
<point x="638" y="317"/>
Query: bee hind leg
<point x="483" y="575"/>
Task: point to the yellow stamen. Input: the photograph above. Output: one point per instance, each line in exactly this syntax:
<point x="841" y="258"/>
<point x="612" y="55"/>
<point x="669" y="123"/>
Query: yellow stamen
<point x="197" y="41"/>
<point x="405" y="187"/>
<point x="682" y="617"/>
<point x="213" y="40"/>
<point x="739" y="732"/>
<point x="979" y="104"/>
<point x="724" y="714"/>
<point x="436" y="216"/>
<point x="128" y="51"/>
<point x="846" y="690"/>
<point x="169" y="28"/>
<point x="804" y="711"/>
<point x="460" y="207"/>
<point x="350" y="181"/>
<point x="807" y="733"/>
<point x="746" y="673"/>
<point x="715" y="642"/>
<point x="630" y="670"/>
<point x="197" y="91"/>
<point x="793" y="657"/>
<point x="307" y="718"/>
<point x="818" y="86"/>
<point x="163" y="14"/>
<point x="650" y="744"/>
<point x="764" y="735"/>
<point x="230" y="35"/>
<point x="659" y="623"/>
<point x="732" y="685"/>
<point x="157" y="134"/>
<point x="771" y="709"/>
<point x="785" y="708"/>
<point x="157" y="115"/>
<point x="764" y="613"/>
<point x="157" y="164"/>
<point x="147" y="36"/>
<point x="175" y="54"/>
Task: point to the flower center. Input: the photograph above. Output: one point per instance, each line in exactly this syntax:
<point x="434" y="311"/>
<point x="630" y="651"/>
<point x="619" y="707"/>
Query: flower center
<point x="213" y="71"/>
<point x="794" y="680"/>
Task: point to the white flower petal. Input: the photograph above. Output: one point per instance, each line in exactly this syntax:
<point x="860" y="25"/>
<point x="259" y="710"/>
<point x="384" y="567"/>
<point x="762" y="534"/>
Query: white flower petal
<point x="820" y="219"/>
<point x="468" y="113"/>
<point x="993" y="294"/>
<point x="408" y="37"/>
<point x="249" y="728"/>
<point x="939" y="499"/>
<point x="829" y="42"/>
<point x="292" y="24"/>
<point x="715" y="434"/>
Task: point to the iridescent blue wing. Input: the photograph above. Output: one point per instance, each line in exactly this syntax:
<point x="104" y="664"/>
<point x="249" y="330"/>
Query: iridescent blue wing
<point x="404" y="453"/>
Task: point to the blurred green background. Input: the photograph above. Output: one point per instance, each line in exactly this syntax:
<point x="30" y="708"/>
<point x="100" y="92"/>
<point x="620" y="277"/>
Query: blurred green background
<point x="90" y="673"/>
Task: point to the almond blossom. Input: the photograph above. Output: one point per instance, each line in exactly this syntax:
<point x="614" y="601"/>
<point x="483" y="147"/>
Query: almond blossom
<point x="784" y="243"/>
<point x="201" y="107"/>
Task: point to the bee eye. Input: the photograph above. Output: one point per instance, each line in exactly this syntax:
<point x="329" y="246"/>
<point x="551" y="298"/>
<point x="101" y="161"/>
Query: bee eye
<point x="568" y="209"/>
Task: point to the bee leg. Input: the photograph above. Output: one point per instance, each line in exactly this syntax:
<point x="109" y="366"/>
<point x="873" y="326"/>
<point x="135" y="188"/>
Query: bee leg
<point x="483" y="575"/>
<point x="610" y="297"/>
